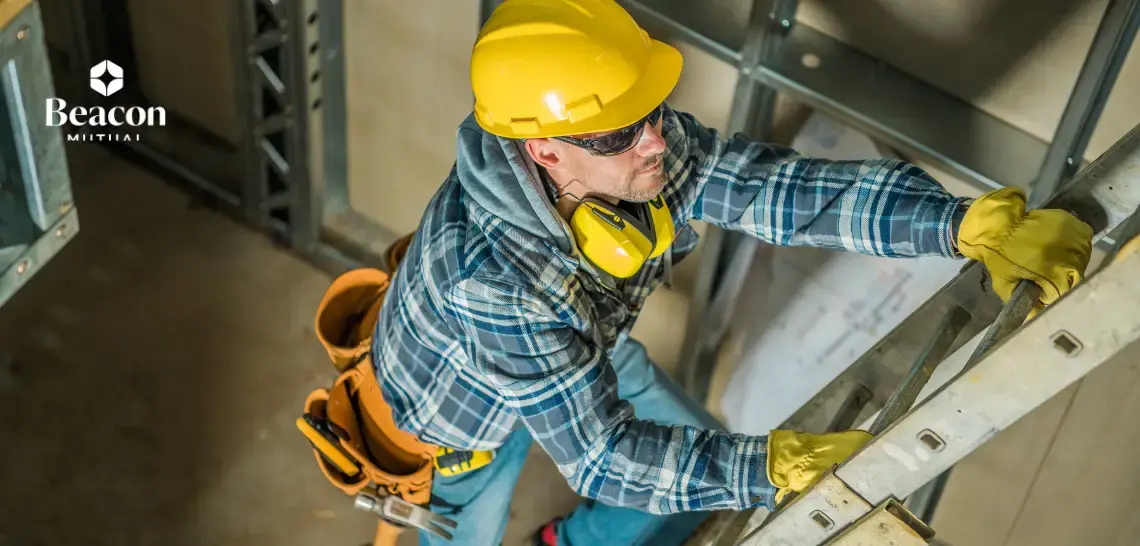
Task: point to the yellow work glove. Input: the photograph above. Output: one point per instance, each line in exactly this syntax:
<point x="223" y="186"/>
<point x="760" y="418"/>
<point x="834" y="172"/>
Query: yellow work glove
<point x="1049" y="247"/>
<point x="797" y="459"/>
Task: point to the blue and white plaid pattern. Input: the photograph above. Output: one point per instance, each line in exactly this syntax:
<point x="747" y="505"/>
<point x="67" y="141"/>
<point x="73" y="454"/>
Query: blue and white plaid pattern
<point x="487" y="327"/>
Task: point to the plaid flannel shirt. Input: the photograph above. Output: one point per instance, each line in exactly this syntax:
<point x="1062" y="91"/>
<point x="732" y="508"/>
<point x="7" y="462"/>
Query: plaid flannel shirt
<point x="487" y="327"/>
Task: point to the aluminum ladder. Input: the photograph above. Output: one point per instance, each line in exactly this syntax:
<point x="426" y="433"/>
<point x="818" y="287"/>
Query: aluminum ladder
<point x="981" y="369"/>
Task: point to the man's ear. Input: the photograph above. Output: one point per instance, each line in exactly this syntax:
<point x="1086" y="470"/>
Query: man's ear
<point x="544" y="152"/>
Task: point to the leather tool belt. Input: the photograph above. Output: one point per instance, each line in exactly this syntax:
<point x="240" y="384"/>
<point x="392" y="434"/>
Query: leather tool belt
<point x="390" y="461"/>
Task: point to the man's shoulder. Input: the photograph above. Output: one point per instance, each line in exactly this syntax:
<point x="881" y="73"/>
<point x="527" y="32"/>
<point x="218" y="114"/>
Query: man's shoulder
<point x="459" y="245"/>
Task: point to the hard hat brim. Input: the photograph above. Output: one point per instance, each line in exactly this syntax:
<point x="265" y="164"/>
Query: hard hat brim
<point x="661" y="75"/>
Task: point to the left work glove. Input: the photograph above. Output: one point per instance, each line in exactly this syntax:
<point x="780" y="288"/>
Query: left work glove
<point x="797" y="459"/>
<point x="1049" y="247"/>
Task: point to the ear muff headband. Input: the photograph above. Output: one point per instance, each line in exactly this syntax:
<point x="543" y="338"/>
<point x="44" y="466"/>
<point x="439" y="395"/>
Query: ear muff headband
<point x="661" y="222"/>
<point x="618" y="242"/>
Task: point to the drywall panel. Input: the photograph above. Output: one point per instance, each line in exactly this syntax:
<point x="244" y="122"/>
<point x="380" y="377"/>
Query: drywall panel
<point x="408" y="90"/>
<point x="706" y="86"/>
<point x="988" y="488"/>
<point x="1017" y="59"/>
<point x="1064" y="474"/>
<point x="1089" y="484"/>
<point x="185" y="63"/>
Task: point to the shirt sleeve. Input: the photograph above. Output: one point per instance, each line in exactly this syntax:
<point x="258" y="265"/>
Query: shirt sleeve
<point x="882" y="207"/>
<point x="565" y="391"/>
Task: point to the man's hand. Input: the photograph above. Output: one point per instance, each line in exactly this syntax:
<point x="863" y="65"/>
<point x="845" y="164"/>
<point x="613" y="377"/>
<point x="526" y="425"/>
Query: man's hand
<point x="797" y="459"/>
<point x="1049" y="247"/>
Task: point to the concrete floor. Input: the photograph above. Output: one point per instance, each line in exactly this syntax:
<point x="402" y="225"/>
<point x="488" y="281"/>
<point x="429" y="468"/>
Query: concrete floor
<point x="150" y="376"/>
<point x="151" y="373"/>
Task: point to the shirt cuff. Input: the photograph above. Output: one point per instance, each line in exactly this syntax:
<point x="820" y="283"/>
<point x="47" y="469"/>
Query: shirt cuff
<point x="957" y="213"/>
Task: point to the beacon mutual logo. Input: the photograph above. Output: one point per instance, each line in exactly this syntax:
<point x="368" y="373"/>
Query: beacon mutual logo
<point x="102" y="124"/>
<point x="106" y="78"/>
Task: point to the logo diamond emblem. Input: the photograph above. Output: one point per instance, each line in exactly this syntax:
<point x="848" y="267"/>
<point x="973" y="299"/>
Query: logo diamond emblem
<point x="106" y="86"/>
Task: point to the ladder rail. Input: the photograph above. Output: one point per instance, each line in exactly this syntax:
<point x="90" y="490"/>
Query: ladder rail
<point x="1103" y="195"/>
<point x="903" y="398"/>
<point x="1081" y="331"/>
<point x="900" y="460"/>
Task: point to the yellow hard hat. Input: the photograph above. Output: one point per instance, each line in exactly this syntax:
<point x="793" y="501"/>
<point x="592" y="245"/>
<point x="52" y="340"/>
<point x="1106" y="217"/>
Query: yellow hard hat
<point x="546" y="68"/>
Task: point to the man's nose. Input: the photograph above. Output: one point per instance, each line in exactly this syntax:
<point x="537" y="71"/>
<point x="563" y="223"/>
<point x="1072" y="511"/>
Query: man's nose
<point x="651" y="142"/>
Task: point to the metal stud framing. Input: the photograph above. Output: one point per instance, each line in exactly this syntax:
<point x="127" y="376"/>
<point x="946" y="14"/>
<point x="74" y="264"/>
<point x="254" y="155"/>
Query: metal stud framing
<point x="717" y="32"/>
<point x="289" y="89"/>
<point x="272" y="95"/>
<point x="768" y="53"/>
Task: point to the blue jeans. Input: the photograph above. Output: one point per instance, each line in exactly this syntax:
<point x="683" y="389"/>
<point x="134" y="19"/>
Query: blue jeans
<point x="479" y="500"/>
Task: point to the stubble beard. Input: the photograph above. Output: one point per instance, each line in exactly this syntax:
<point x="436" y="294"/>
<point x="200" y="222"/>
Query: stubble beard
<point x="641" y="195"/>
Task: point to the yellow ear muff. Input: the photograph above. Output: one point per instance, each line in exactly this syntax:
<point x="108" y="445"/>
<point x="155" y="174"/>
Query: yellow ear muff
<point x="617" y="242"/>
<point x="661" y="222"/>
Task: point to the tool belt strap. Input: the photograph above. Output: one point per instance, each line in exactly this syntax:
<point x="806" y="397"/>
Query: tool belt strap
<point x="391" y="459"/>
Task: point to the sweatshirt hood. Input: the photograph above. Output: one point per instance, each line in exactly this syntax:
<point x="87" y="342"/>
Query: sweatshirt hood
<point x="502" y="178"/>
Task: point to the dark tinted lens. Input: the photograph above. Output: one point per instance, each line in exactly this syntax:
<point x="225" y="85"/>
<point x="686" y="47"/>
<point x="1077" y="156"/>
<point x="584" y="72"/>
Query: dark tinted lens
<point x="618" y="141"/>
<point x="654" y="116"/>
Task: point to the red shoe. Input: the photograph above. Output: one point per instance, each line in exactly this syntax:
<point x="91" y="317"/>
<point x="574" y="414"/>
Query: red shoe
<point x="547" y="535"/>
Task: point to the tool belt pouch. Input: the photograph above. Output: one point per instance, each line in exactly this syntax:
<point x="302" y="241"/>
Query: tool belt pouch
<point x="392" y="460"/>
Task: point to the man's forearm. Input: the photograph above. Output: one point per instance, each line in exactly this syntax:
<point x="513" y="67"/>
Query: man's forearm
<point x="882" y="207"/>
<point x="564" y="389"/>
<point x="878" y="207"/>
<point x="668" y="469"/>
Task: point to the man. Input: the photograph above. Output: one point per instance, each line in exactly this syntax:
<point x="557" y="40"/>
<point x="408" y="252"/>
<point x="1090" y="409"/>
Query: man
<point x="571" y="195"/>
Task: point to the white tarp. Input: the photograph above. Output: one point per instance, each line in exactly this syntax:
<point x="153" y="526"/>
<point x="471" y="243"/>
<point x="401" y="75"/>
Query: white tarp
<point x="840" y="309"/>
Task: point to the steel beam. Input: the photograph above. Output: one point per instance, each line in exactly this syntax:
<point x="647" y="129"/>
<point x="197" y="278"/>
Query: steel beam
<point x="1109" y="49"/>
<point x="726" y="256"/>
<point x="274" y="73"/>
<point x="334" y="111"/>
<point x="486" y="7"/>
<point x="862" y="91"/>
<point x="289" y="89"/>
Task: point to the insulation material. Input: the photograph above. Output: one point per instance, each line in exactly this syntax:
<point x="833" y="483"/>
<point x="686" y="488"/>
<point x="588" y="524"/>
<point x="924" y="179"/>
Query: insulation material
<point x="840" y="307"/>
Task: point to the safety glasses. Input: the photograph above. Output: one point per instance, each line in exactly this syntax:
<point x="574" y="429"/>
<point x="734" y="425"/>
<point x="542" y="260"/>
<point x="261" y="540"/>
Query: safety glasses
<point x="617" y="142"/>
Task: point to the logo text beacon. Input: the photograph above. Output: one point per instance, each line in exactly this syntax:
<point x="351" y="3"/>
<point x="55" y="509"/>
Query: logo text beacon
<point x="106" y="79"/>
<point x="97" y="116"/>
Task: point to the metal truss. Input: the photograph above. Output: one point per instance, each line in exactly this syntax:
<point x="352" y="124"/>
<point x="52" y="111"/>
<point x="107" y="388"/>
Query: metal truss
<point x="273" y="97"/>
<point x="291" y="182"/>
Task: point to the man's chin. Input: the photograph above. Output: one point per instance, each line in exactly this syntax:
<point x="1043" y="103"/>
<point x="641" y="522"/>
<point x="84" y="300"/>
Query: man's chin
<point x="645" y="187"/>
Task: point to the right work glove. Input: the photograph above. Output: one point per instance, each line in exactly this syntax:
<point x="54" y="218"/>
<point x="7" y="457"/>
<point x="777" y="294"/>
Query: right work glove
<point x="1048" y="247"/>
<point x="797" y="459"/>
